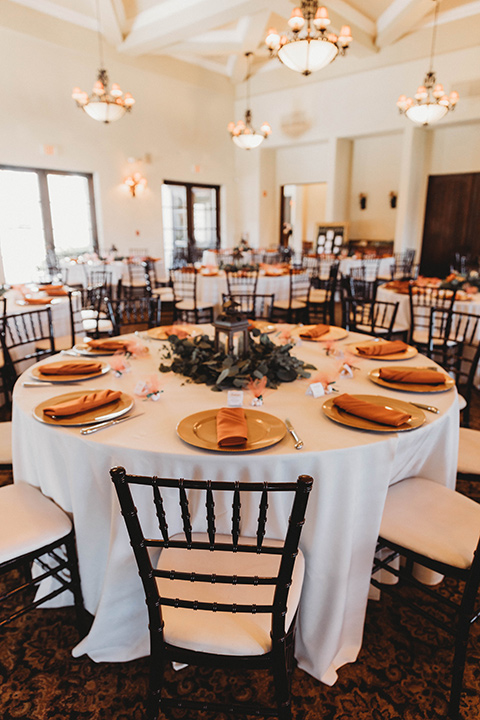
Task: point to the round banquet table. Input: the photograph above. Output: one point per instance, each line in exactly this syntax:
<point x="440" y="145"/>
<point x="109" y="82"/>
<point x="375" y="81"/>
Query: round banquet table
<point x="352" y="470"/>
<point x="403" y="322"/>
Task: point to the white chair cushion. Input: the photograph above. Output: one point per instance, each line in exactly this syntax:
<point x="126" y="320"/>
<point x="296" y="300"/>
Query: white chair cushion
<point x="221" y="632"/>
<point x="420" y="337"/>
<point x="190" y="305"/>
<point x="317" y="295"/>
<point x="103" y="325"/>
<point x="462" y="403"/>
<point x="91" y="314"/>
<point x="28" y="520"/>
<point x="469" y="452"/>
<point x="5" y="443"/>
<point x="165" y="294"/>
<point x="368" y="329"/>
<point x="428" y="518"/>
<point x="284" y="304"/>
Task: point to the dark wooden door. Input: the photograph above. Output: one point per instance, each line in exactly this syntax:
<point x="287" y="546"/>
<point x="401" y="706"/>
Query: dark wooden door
<point x="452" y="221"/>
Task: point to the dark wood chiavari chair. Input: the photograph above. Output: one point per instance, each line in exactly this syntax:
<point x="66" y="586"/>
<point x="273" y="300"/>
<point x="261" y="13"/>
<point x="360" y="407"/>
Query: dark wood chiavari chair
<point x="229" y="576"/>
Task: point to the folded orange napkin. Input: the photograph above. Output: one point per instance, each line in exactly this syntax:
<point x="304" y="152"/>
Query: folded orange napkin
<point x="382" y="348"/>
<point x="231" y="427"/>
<point x="83" y="403"/>
<point x="369" y="411"/>
<point x="315" y="332"/>
<point x="412" y="375"/>
<point x="38" y="301"/>
<point x="55" y="290"/>
<point x="181" y="333"/>
<point x="108" y="344"/>
<point x="71" y="368"/>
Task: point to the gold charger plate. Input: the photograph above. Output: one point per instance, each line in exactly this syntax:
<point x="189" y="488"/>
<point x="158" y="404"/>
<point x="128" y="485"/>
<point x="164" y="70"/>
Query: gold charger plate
<point x="407" y="355"/>
<point x="200" y="429"/>
<point x="344" y="418"/>
<point x="35" y="373"/>
<point x="159" y="333"/>
<point x="101" y="414"/>
<point x="335" y="333"/>
<point x="449" y="383"/>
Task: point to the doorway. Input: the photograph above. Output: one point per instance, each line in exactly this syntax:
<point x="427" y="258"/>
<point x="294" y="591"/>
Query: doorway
<point x="303" y="208"/>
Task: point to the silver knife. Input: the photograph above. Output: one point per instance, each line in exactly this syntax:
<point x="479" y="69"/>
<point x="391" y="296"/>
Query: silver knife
<point x="291" y="430"/>
<point x="430" y="408"/>
<point x="109" y="423"/>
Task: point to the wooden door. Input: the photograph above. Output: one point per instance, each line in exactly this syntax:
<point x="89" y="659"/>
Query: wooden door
<point x="452" y="221"/>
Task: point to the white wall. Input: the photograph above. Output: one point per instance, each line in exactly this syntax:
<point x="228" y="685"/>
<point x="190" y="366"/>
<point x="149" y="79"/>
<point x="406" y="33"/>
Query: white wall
<point x="351" y="116"/>
<point x="314" y="208"/>
<point x="375" y="173"/>
<point x="179" y="123"/>
<point x="455" y="149"/>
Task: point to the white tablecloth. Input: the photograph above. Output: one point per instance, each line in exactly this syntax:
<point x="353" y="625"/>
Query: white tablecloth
<point x="402" y="321"/>
<point x="60" y="310"/>
<point x="384" y="266"/>
<point x="352" y="471"/>
<point x="211" y="287"/>
<point x="77" y="273"/>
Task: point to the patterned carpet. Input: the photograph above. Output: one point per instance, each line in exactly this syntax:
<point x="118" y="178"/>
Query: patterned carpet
<point x="402" y="671"/>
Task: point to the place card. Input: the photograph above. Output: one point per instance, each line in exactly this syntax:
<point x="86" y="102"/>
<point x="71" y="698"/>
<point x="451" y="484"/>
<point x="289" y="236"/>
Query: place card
<point x="235" y="398"/>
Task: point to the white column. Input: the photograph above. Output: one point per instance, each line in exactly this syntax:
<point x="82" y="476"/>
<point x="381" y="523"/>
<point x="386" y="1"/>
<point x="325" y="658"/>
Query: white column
<point x="338" y="188"/>
<point x="412" y="193"/>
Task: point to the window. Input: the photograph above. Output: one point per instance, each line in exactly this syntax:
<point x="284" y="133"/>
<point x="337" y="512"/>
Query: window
<point x="44" y="215"/>
<point x="191" y="220"/>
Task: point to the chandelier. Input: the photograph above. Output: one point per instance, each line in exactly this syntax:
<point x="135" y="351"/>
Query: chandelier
<point x="431" y="103"/>
<point x="308" y="47"/>
<point x="104" y="104"/>
<point x="243" y="134"/>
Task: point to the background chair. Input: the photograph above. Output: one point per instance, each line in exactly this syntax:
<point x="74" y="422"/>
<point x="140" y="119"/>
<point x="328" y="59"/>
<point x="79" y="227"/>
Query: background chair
<point x="321" y="297"/>
<point x="157" y="286"/>
<point x="460" y="356"/>
<point x="437" y="528"/>
<point x="35" y="530"/>
<point x="132" y="314"/>
<point x="422" y="300"/>
<point x="242" y="282"/>
<point x="246" y="588"/>
<point x="94" y="311"/>
<point x="371" y="317"/>
<point x="187" y="308"/>
<point x="295" y="308"/>
<point x="77" y="328"/>
<point x="20" y="336"/>
<point x="255" y="307"/>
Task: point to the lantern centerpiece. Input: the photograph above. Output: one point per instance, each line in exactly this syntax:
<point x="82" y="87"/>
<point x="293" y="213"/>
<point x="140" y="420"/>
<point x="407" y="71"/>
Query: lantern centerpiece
<point x="233" y="324"/>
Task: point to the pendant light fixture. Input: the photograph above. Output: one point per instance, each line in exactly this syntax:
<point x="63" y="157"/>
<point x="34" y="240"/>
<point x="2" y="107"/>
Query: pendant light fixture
<point x="243" y="134"/>
<point x="104" y="104"/>
<point x="307" y="46"/>
<point x="431" y="103"/>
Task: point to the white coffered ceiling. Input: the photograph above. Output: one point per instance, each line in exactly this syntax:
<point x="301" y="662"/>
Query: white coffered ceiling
<point x="215" y="34"/>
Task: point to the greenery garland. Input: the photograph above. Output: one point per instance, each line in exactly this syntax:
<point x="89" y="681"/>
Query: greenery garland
<point x="197" y="359"/>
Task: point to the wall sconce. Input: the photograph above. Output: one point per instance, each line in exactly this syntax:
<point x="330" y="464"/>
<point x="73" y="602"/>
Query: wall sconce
<point x="135" y="183"/>
<point x="363" y="201"/>
<point x="393" y="199"/>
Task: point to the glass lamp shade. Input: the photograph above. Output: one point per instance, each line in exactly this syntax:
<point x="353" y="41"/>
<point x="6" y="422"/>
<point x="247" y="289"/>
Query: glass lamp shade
<point x="307" y="56"/>
<point x="248" y="141"/>
<point x="103" y="111"/>
<point x="426" y="114"/>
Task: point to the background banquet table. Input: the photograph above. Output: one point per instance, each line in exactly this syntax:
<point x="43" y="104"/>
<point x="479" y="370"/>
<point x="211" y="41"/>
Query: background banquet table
<point x="402" y="321"/>
<point x="352" y="471"/>
<point x="77" y="273"/>
<point x="60" y="310"/>
<point x="211" y="287"/>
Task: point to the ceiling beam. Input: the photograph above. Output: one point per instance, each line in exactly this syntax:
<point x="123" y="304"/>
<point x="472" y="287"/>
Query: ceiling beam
<point x="254" y="32"/>
<point x="61" y="13"/>
<point x="111" y="21"/>
<point x="162" y="26"/>
<point x="399" y="19"/>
